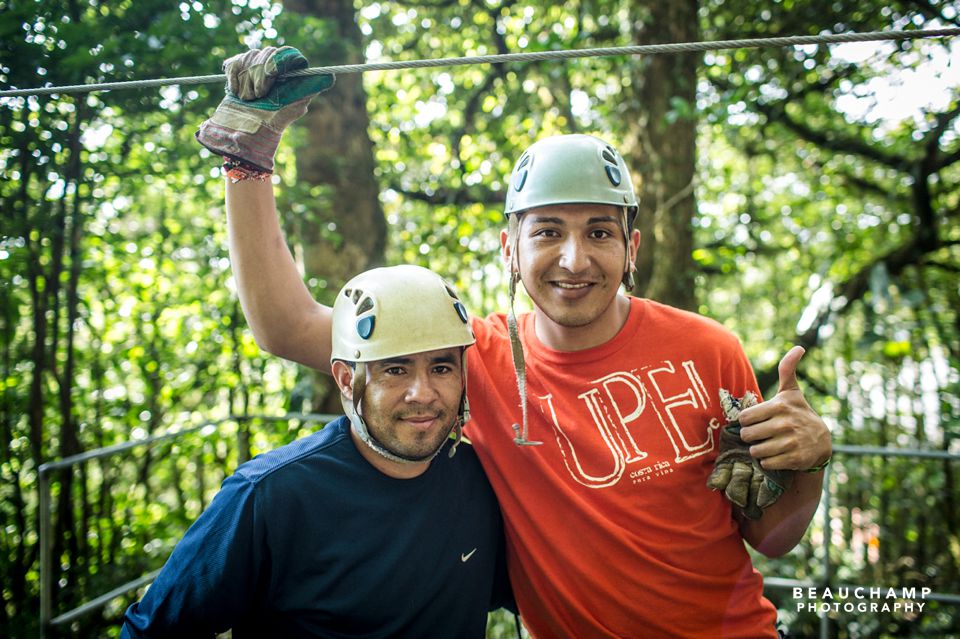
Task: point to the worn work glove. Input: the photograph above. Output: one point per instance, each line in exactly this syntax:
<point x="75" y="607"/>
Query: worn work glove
<point x="741" y="478"/>
<point x="259" y="105"/>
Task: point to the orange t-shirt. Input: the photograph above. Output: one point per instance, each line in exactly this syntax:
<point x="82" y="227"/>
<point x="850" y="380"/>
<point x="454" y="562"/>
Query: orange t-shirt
<point x="611" y="530"/>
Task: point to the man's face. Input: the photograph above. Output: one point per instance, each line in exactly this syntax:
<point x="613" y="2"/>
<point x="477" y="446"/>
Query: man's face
<point x="410" y="404"/>
<point x="571" y="259"/>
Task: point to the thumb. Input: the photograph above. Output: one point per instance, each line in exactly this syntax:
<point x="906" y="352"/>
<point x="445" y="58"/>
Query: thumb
<point x="787" y="369"/>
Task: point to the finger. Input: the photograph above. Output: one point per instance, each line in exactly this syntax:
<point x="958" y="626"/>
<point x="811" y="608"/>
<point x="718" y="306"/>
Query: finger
<point x="760" y="431"/>
<point x="756" y="482"/>
<point x="738" y="489"/>
<point x="787" y="369"/>
<point x="780" y="461"/>
<point x="720" y="477"/>
<point x="769" y="448"/>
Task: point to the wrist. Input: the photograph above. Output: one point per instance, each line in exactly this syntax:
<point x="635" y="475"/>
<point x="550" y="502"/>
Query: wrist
<point x="239" y="171"/>
<point x="819" y="467"/>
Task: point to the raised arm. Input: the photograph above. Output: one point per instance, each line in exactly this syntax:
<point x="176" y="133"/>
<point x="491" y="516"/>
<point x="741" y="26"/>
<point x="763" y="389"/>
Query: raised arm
<point x="284" y="317"/>
<point x="245" y="130"/>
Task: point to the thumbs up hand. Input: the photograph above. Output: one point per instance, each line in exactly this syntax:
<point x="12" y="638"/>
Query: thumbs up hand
<point x="784" y="433"/>
<point x="747" y="485"/>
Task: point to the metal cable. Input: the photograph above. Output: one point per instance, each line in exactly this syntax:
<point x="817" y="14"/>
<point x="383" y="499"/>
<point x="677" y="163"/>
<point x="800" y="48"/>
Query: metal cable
<point x="649" y="49"/>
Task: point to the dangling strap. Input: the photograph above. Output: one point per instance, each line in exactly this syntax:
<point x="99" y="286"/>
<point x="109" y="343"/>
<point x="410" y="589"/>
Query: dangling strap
<point x="463" y="415"/>
<point x="628" y="279"/>
<point x="457" y="437"/>
<point x="516" y="347"/>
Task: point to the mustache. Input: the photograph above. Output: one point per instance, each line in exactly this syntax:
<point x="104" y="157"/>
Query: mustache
<point x="422" y="412"/>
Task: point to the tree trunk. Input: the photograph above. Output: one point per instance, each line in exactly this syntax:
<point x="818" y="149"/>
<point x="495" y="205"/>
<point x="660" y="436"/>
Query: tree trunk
<point x="67" y="236"/>
<point x="661" y="147"/>
<point x="344" y="231"/>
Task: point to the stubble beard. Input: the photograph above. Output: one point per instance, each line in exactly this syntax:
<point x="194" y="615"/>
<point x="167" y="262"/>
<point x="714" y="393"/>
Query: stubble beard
<point x="573" y="314"/>
<point x="422" y="446"/>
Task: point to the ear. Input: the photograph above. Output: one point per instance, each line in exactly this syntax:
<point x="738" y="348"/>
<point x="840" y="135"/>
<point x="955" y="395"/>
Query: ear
<point x="506" y="253"/>
<point x="634" y="245"/>
<point x="343" y="376"/>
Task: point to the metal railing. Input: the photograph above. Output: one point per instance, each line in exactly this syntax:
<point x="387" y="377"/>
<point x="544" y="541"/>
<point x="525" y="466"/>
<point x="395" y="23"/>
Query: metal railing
<point x="827" y="579"/>
<point x="47" y="620"/>
<point x="207" y="428"/>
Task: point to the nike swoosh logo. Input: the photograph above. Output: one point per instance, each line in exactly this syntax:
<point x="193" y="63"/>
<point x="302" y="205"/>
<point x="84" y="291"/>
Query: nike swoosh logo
<point x="466" y="556"/>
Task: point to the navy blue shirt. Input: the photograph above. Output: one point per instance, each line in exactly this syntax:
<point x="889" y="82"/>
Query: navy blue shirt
<point x="310" y="540"/>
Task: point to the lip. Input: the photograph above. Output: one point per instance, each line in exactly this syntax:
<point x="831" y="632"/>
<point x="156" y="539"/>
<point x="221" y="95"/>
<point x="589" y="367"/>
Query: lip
<point x="423" y="422"/>
<point x="571" y="290"/>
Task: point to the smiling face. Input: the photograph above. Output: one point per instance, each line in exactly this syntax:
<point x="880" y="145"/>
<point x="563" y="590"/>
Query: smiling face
<point x="410" y="405"/>
<point x="571" y="259"/>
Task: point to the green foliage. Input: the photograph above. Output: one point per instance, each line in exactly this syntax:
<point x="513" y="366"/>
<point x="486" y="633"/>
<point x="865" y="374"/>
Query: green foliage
<point x="118" y="316"/>
<point x="840" y="225"/>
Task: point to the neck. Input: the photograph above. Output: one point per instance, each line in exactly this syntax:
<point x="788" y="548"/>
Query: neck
<point x="579" y="338"/>
<point x="390" y="468"/>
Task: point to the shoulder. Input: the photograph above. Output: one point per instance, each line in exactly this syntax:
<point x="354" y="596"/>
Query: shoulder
<point x="465" y="456"/>
<point x="462" y="474"/>
<point x="491" y="325"/>
<point x="494" y="328"/>
<point x="492" y="348"/>
<point x="277" y="461"/>
<point x="675" y="319"/>
<point x="464" y="463"/>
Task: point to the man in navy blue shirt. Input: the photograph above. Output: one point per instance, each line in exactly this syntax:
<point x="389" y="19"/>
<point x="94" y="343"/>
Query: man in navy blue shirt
<point x="362" y="529"/>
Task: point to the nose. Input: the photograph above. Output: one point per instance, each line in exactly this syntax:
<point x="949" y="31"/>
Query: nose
<point x="422" y="389"/>
<point x="573" y="255"/>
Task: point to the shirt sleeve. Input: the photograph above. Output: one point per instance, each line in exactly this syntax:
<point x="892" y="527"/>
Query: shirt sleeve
<point x="212" y="576"/>
<point x="501" y="595"/>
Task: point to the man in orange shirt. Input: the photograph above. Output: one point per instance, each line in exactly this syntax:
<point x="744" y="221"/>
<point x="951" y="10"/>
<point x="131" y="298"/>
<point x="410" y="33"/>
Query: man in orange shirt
<point x="601" y="454"/>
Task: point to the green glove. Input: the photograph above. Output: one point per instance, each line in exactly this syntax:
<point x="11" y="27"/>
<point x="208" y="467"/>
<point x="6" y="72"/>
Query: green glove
<point x="741" y="478"/>
<point x="260" y="104"/>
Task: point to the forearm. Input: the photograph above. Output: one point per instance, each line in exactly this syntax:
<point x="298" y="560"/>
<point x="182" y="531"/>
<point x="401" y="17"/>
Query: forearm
<point x="783" y="524"/>
<point x="284" y="317"/>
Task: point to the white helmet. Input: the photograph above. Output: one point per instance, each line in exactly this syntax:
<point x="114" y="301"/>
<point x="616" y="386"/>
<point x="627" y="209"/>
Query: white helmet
<point x="390" y="312"/>
<point x="570" y="169"/>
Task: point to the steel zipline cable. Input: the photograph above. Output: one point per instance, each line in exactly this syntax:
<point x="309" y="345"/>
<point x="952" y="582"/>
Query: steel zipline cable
<point x="647" y="49"/>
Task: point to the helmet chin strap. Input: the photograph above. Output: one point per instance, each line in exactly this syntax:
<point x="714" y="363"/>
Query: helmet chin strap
<point x="353" y="411"/>
<point x="516" y="347"/>
<point x="629" y="281"/>
<point x="463" y="414"/>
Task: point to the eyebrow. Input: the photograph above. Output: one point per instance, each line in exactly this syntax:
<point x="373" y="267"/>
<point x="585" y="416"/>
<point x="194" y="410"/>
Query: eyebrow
<point x="406" y="361"/>
<point x="599" y="219"/>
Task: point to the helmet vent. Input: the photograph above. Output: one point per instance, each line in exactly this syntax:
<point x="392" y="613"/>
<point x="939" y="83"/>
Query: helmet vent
<point x="365" y="305"/>
<point x="609" y="155"/>
<point x="461" y="311"/>
<point x="521" y="172"/>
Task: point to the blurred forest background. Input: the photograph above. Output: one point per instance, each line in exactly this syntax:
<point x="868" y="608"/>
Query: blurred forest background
<point x="803" y="195"/>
